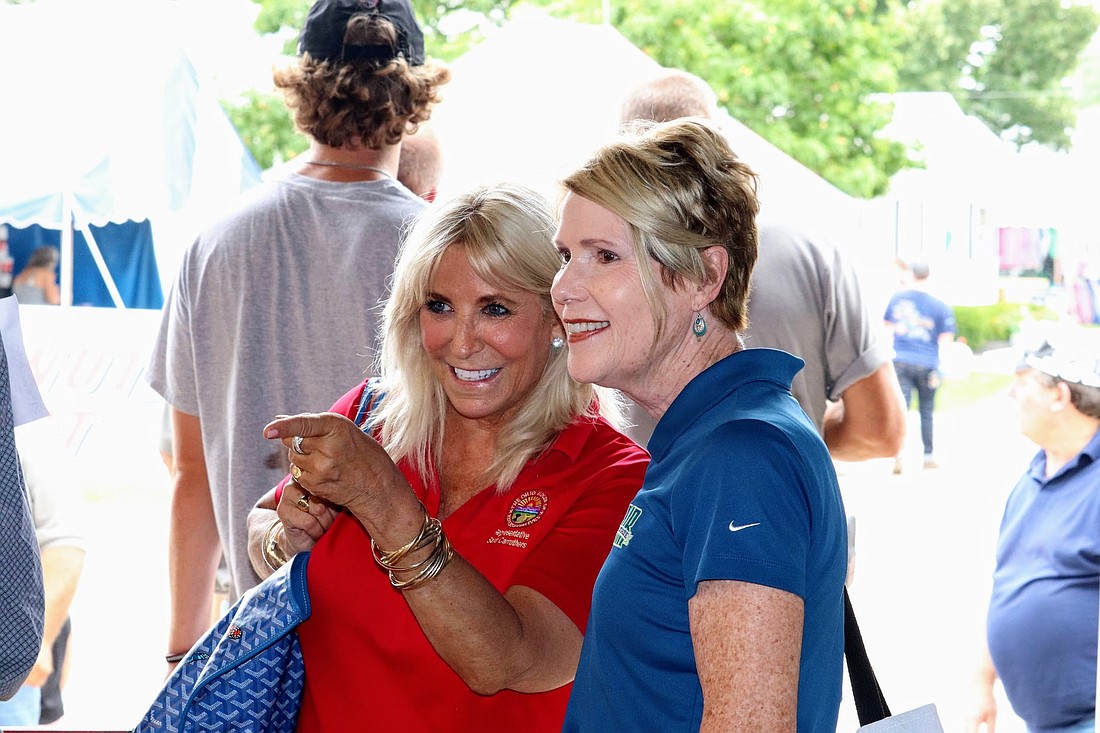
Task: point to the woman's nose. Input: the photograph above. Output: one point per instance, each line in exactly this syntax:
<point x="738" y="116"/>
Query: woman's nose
<point x="466" y="339"/>
<point x="566" y="286"/>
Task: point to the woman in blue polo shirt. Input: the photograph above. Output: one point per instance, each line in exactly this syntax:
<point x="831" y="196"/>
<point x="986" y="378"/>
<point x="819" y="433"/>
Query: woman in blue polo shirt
<point x="720" y="603"/>
<point x="1042" y="620"/>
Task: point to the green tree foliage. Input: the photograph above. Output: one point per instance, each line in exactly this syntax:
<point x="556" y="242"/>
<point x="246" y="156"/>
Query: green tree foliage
<point x="1089" y="76"/>
<point x="802" y="73"/>
<point x="809" y="75"/>
<point x="1005" y="61"/>
<point x="266" y="128"/>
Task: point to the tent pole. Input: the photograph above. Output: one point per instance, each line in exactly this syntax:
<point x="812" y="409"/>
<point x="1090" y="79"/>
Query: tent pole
<point x="109" y="281"/>
<point x="66" y="264"/>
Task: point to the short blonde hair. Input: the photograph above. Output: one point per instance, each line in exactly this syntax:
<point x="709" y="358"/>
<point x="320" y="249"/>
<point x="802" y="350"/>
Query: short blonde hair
<point x="507" y="232"/>
<point x="680" y="189"/>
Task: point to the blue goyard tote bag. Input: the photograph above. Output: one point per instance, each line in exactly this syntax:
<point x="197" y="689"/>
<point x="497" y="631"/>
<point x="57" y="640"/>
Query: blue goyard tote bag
<point x="246" y="673"/>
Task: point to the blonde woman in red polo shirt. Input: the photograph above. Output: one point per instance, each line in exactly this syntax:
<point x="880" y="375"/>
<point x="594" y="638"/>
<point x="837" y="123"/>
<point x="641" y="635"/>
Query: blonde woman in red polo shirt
<point x="485" y="487"/>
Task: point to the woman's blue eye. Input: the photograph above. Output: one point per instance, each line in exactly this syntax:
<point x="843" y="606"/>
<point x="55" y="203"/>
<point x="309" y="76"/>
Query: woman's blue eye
<point x="496" y="309"/>
<point x="436" y="306"/>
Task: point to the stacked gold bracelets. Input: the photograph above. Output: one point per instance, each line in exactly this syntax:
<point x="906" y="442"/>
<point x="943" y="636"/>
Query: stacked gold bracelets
<point x="431" y="534"/>
<point x="273" y="556"/>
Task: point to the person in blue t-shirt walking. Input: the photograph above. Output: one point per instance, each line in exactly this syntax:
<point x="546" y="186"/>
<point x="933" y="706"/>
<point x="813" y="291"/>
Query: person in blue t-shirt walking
<point x="920" y="322"/>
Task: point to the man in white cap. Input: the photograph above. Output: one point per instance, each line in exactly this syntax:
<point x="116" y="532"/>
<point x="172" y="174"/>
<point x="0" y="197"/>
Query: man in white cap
<point x="1042" y="620"/>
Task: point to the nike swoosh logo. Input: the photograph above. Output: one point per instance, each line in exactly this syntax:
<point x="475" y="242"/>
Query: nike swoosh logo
<point x="739" y="527"/>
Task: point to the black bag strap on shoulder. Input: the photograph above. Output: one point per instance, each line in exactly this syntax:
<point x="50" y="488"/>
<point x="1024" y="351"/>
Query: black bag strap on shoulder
<point x="870" y="704"/>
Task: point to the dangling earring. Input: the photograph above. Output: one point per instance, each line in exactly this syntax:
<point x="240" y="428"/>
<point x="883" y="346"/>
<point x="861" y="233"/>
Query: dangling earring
<point x="699" y="326"/>
<point x="557" y="342"/>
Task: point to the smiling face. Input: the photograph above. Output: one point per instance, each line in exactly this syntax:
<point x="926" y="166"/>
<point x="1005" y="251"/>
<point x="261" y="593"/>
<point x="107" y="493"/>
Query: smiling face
<point x="488" y="346"/>
<point x="599" y="297"/>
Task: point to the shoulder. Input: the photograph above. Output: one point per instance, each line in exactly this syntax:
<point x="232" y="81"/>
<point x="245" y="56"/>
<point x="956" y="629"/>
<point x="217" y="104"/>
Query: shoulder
<point x="593" y="444"/>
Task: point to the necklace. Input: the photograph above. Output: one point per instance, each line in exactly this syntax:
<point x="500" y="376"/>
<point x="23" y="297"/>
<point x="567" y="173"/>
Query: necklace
<point x="349" y="165"/>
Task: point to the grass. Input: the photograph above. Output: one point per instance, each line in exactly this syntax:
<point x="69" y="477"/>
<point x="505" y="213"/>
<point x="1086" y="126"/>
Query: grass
<point x="977" y="386"/>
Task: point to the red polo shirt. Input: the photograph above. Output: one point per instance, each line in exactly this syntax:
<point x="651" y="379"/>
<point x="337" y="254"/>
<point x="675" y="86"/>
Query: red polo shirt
<point x="369" y="665"/>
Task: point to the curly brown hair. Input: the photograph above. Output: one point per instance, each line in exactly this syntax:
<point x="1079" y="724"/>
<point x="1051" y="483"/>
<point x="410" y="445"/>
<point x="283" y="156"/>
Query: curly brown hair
<point x="336" y="102"/>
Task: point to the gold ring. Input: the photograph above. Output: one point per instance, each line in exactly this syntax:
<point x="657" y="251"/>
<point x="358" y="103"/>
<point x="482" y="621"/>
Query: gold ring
<point x="296" y="445"/>
<point x="295" y="471"/>
<point x="303" y="503"/>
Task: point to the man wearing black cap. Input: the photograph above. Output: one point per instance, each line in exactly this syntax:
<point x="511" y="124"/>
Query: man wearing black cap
<point x="1042" y="620"/>
<point x="275" y="307"/>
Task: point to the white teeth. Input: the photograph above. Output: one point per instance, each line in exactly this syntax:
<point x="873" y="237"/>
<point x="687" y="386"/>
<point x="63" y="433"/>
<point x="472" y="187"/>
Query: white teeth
<point x="468" y="376"/>
<point x="586" y="326"/>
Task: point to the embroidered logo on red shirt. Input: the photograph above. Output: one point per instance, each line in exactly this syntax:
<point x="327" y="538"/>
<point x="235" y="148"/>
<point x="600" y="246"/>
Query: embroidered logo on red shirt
<point x="527" y="508"/>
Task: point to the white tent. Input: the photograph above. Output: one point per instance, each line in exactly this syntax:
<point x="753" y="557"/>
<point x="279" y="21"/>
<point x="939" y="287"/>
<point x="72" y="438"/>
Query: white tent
<point x="105" y="121"/>
<point x="533" y="100"/>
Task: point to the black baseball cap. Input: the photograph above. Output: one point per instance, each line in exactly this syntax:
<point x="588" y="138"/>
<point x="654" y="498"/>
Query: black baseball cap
<point x="322" y="36"/>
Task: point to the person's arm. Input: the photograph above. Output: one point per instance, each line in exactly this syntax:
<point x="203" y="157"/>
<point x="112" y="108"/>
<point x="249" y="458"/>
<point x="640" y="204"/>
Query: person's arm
<point x="519" y="640"/>
<point x="194" y="549"/>
<point x="21" y="604"/>
<point x="61" y="568"/>
<point x="748" y="641"/>
<point x="51" y="290"/>
<point x="869" y="420"/>
<point x="985" y="704"/>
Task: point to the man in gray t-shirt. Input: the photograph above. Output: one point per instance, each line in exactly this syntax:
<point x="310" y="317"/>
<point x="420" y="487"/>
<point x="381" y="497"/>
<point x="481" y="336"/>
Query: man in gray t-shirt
<point x="805" y="300"/>
<point x="275" y="309"/>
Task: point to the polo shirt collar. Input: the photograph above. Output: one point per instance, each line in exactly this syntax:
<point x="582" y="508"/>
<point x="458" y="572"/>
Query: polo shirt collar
<point x="715" y="384"/>
<point x="1088" y="455"/>
<point x="572" y="440"/>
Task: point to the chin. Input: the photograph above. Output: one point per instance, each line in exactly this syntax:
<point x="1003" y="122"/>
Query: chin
<point x="585" y="372"/>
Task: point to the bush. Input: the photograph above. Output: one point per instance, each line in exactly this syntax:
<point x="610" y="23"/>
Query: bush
<point x="983" y="325"/>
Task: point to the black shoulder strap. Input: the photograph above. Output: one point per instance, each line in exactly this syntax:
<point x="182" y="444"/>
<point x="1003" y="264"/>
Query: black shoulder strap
<point x="870" y="703"/>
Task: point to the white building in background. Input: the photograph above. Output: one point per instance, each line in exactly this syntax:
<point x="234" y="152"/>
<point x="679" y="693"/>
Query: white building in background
<point x="996" y="219"/>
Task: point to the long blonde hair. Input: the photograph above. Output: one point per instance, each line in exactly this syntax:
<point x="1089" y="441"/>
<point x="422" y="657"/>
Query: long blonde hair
<point x="506" y="230"/>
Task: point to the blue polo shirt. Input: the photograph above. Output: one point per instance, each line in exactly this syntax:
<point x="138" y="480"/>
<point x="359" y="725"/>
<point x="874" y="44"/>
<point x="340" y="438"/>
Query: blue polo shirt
<point x="740" y="487"/>
<point x="1042" y="618"/>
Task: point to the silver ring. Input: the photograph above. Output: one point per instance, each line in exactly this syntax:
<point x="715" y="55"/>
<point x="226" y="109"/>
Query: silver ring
<point x="296" y="445"/>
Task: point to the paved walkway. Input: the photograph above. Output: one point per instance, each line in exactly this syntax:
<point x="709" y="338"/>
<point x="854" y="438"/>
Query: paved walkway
<point x="924" y="557"/>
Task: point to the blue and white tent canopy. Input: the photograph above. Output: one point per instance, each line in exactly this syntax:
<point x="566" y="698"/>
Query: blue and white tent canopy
<point x="103" y="122"/>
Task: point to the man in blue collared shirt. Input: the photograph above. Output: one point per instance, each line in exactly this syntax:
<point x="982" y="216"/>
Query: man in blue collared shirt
<point x="1042" y="620"/>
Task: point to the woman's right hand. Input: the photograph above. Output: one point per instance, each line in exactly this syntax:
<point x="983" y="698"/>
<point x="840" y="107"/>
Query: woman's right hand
<point x="305" y="517"/>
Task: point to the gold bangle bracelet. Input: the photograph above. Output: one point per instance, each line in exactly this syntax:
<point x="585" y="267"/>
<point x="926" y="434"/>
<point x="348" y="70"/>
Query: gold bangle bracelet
<point x="441" y="555"/>
<point x="430" y="534"/>
<point x="429" y="529"/>
<point x="274" y="558"/>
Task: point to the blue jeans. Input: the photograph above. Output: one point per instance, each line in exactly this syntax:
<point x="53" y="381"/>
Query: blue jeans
<point x="925" y="380"/>
<point x="23" y="708"/>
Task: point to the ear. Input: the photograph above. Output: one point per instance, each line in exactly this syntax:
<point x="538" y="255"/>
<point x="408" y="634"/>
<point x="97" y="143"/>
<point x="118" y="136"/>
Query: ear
<point x="1064" y="399"/>
<point x="716" y="261"/>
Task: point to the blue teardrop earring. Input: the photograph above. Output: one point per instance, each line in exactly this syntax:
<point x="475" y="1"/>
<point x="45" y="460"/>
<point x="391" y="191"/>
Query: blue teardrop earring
<point x="699" y="326"/>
